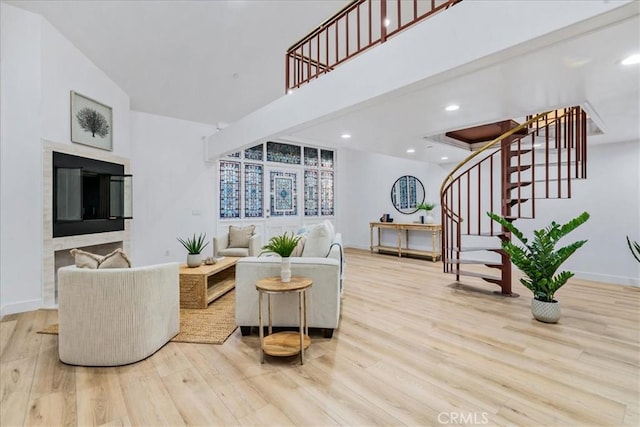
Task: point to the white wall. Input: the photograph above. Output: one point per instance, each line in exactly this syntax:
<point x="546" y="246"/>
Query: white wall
<point x="174" y="190"/>
<point x="65" y="69"/>
<point x="39" y="69"/>
<point x="364" y="194"/>
<point x="20" y="160"/>
<point x="611" y="195"/>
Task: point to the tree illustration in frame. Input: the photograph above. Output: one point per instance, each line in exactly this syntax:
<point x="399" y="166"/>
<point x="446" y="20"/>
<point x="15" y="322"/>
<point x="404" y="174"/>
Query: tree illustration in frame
<point x="91" y="122"/>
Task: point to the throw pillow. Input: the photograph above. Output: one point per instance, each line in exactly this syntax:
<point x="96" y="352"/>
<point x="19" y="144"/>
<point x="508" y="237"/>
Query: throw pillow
<point x="115" y="259"/>
<point x="332" y="230"/>
<point x="85" y="259"/>
<point x="239" y="236"/>
<point x="318" y="241"/>
<point x="297" y="251"/>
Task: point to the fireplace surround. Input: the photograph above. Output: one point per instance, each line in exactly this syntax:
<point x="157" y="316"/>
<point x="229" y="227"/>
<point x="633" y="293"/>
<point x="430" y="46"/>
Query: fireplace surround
<point x="55" y="249"/>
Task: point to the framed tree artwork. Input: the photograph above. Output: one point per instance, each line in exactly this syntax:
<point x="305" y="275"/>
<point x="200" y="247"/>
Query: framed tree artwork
<point x="91" y="122"/>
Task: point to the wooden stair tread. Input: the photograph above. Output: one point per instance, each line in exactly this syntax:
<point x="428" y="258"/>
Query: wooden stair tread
<point x="474" y="261"/>
<point x="474" y="248"/>
<point x="520" y="168"/>
<point x="496" y="233"/>
<point x="515" y="185"/>
<point x="488" y="278"/>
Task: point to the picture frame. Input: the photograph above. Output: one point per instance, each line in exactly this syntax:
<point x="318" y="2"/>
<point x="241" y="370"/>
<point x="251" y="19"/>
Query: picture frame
<point x="91" y="122"/>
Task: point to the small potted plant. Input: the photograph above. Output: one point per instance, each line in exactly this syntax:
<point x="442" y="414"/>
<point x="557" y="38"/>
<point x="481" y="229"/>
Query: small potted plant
<point x="283" y="245"/>
<point x="427" y="207"/>
<point x="539" y="260"/>
<point x="194" y="245"/>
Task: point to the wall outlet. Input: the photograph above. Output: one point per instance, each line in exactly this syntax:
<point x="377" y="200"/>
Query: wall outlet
<point x="196" y="212"/>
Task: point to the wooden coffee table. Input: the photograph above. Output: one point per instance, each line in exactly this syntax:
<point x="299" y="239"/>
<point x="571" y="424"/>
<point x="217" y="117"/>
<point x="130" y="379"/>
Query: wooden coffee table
<point x="201" y="285"/>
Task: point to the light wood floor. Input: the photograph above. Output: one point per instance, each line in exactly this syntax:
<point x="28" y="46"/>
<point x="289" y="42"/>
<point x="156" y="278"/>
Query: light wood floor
<point x="413" y="348"/>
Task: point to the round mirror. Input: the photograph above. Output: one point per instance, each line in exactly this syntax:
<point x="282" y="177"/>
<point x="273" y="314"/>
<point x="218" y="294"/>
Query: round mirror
<point x="407" y="192"/>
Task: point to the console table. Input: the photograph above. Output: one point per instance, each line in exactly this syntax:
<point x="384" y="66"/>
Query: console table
<point x="403" y="229"/>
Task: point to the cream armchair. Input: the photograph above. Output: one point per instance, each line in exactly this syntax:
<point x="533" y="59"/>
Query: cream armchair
<point x="323" y="303"/>
<point x="221" y="246"/>
<point x="116" y="316"/>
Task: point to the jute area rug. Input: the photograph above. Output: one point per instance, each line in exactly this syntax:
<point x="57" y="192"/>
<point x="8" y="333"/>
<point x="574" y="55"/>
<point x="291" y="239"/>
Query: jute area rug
<point x="212" y="325"/>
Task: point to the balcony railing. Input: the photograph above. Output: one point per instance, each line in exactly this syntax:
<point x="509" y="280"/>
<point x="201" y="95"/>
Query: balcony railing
<point x="354" y="29"/>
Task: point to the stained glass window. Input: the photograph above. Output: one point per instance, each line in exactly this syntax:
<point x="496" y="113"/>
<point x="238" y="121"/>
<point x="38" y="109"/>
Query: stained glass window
<point x="310" y="192"/>
<point x="284" y="197"/>
<point x="311" y="156"/>
<point x="283" y="153"/>
<point x="254" y="153"/>
<point x="326" y="159"/>
<point x="253" y="189"/>
<point x="242" y="182"/>
<point x="326" y="193"/>
<point x="229" y="189"/>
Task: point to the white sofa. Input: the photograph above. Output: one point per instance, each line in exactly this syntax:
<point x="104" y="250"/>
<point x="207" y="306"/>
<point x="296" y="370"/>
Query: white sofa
<point x="323" y="303"/>
<point x="116" y="316"/>
<point x="221" y="246"/>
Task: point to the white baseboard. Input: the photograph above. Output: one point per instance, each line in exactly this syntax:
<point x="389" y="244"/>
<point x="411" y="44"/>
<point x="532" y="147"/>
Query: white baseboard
<point x="596" y="277"/>
<point x="20" y="307"/>
<point x="608" y="278"/>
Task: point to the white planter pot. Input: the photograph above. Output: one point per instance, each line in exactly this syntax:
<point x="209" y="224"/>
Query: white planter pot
<point x="285" y="270"/>
<point x="547" y="312"/>
<point x="428" y="219"/>
<point x="194" y="260"/>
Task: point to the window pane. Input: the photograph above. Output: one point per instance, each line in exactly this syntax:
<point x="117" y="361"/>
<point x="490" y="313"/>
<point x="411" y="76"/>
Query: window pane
<point x="310" y="192"/>
<point x="283" y="153"/>
<point x="326" y="193"/>
<point x="284" y="198"/>
<point x="229" y="190"/>
<point x="326" y="159"/>
<point x="254" y="153"/>
<point x="310" y="156"/>
<point x="253" y="189"/>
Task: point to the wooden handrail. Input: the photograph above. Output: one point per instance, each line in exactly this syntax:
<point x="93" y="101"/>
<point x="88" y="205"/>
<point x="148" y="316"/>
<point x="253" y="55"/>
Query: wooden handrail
<point x="490" y="144"/>
<point x="314" y="54"/>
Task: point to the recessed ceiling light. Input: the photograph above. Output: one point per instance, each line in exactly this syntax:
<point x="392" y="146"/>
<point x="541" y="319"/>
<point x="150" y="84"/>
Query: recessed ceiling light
<point x="444" y="158"/>
<point x="346" y="135"/>
<point x="387" y="21"/>
<point x="631" y="60"/>
<point x="537" y="145"/>
<point x="452" y="107"/>
<point x="290" y="91"/>
<point x="411" y="150"/>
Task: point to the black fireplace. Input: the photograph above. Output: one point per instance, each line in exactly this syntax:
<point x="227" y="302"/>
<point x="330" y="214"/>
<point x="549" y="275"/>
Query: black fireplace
<point x="89" y="195"/>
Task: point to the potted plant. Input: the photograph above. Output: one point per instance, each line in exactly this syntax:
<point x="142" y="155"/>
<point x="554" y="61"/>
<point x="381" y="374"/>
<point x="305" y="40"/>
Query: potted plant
<point x="539" y="260"/>
<point x="283" y="245"/>
<point x="194" y="245"/>
<point x="427" y="207"/>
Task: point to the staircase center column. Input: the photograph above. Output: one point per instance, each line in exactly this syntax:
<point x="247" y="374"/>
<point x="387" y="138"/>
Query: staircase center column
<point x="505" y="196"/>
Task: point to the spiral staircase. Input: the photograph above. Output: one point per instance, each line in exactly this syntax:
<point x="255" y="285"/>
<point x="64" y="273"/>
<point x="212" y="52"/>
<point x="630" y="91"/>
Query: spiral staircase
<point x="537" y="159"/>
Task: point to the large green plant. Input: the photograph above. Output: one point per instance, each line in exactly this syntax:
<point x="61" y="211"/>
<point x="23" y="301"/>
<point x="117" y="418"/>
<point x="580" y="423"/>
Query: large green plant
<point x="282" y="245"/>
<point x="194" y="244"/>
<point x="539" y="259"/>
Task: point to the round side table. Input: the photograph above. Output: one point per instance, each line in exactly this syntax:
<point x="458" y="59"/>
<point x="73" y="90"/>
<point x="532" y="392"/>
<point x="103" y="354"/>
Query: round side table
<point x="284" y="343"/>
